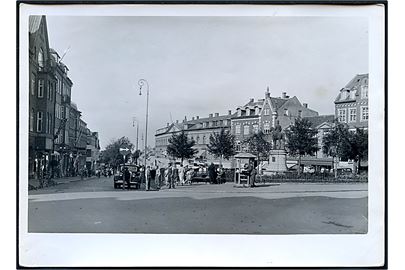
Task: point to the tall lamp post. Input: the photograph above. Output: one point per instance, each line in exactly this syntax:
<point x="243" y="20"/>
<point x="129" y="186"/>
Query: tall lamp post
<point x="137" y="134"/>
<point x="141" y="83"/>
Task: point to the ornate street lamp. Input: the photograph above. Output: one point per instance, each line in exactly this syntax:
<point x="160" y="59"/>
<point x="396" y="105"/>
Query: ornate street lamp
<point x="141" y="83"/>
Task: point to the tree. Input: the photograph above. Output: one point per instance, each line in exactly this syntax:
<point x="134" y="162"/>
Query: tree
<point x="112" y="155"/>
<point x="181" y="147"/>
<point x="222" y="145"/>
<point x="301" y="140"/>
<point x="136" y="155"/>
<point x="258" y="145"/>
<point x="340" y="142"/>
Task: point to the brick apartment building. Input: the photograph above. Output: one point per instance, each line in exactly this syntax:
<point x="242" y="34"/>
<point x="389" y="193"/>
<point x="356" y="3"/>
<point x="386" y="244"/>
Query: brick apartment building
<point x="351" y="104"/>
<point x="57" y="134"/>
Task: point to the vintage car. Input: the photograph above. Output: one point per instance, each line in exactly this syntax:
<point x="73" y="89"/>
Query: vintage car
<point x="135" y="180"/>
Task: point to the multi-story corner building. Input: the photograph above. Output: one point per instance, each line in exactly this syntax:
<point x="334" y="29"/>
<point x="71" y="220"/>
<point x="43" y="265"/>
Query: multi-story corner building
<point x="351" y="104"/>
<point x="197" y="129"/>
<point x="62" y="106"/>
<point x="264" y="114"/>
<point x="92" y="151"/>
<point x="42" y="84"/>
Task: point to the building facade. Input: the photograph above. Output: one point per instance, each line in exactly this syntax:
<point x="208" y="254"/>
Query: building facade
<point x="351" y="104"/>
<point x="92" y="151"/>
<point x="197" y="129"/>
<point x="264" y="114"/>
<point x="41" y="99"/>
<point x="57" y="134"/>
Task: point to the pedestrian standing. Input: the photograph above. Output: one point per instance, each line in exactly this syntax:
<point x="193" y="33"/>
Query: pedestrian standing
<point x="153" y="176"/>
<point x="181" y="174"/>
<point x="175" y="176"/>
<point x="170" y="179"/>
<point x="158" y="178"/>
<point x="147" y="178"/>
<point x="126" y="177"/>
<point x="211" y="173"/>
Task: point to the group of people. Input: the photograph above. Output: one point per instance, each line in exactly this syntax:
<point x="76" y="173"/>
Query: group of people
<point x="171" y="176"/>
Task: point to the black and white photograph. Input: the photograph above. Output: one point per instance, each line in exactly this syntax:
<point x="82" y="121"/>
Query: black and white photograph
<point x="202" y="131"/>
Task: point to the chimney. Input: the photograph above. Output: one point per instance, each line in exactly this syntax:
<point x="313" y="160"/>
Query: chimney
<point x="252" y="100"/>
<point x="267" y="94"/>
<point x="177" y="121"/>
<point x="198" y="117"/>
<point x="216" y="114"/>
<point x="284" y="95"/>
<point x="229" y="112"/>
<point x="305" y="105"/>
<point x="192" y="118"/>
<point x="210" y="115"/>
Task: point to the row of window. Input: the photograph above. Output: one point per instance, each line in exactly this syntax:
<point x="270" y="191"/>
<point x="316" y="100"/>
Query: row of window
<point x="246" y="129"/>
<point x="352" y="114"/>
<point x="352" y="94"/>
<point x="41" y="118"/>
<point x="49" y="89"/>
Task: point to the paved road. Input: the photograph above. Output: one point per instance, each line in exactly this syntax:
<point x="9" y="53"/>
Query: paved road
<point x="94" y="206"/>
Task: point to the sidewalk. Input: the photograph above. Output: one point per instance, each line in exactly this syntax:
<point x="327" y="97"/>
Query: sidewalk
<point x="34" y="183"/>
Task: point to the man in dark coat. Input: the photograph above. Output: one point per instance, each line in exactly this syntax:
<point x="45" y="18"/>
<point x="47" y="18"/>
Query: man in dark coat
<point x="212" y="173"/>
<point x="126" y="177"/>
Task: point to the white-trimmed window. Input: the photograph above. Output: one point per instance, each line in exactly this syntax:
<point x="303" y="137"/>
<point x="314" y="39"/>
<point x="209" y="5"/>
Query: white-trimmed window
<point x="48" y="90"/>
<point x="33" y="84"/>
<point x="352" y="114"/>
<point x="39" y="121"/>
<point x="266" y="128"/>
<point x="40" y="59"/>
<point x="364" y="113"/>
<point x="246" y="130"/>
<point x="255" y="128"/>
<point x="364" y="91"/>
<point x="237" y="129"/>
<point x="40" y="88"/>
<point x="266" y="111"/>
<point x="32" y="113"/>
<point x="342" y="115"/>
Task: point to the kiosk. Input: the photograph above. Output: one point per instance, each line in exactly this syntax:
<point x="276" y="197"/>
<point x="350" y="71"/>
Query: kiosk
<point x="241" y="177"/>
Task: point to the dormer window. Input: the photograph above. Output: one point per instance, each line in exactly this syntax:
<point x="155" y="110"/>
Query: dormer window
<point x="364" y="91"/>
<point x="40" y="59"/>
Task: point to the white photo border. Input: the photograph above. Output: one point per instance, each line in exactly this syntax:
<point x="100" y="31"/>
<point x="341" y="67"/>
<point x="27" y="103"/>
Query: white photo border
<point x="139" y="250"/>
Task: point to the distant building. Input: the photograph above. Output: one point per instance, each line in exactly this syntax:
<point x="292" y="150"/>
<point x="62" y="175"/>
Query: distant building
<point x="197" y="129"/>
<point x="92" y="151"/>
<point x="264" y="114"/>
<point x="322" y="123"/>
<point x="351" y="104"/>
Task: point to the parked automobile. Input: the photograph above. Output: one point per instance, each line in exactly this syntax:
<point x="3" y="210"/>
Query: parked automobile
<point x="135" y="180"/>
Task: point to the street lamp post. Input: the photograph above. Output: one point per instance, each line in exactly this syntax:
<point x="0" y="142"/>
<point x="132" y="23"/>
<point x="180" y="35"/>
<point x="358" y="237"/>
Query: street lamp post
<point x="141" y="83"/>
<point x="137" y="134"/>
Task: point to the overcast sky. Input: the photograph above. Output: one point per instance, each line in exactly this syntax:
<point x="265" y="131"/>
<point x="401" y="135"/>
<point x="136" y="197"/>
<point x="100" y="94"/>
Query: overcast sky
<point x="202" y="65"/>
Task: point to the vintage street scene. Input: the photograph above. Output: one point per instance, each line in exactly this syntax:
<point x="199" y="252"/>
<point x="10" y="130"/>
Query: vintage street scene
<point x="198" y="125"/>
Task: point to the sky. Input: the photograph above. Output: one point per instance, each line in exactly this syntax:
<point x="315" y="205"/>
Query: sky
<point x="202" y="65"/>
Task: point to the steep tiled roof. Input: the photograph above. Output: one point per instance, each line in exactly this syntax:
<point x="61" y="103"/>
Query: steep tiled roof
<point x="317" y="120"/>
<point x="354" y="85"/>
<point x="277" y="102"/>
<point x="34" y="22"/>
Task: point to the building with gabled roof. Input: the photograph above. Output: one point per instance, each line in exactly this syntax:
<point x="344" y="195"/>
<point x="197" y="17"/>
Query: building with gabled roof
<point x="351" y="104"/>
<point x="264" y="114"/>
